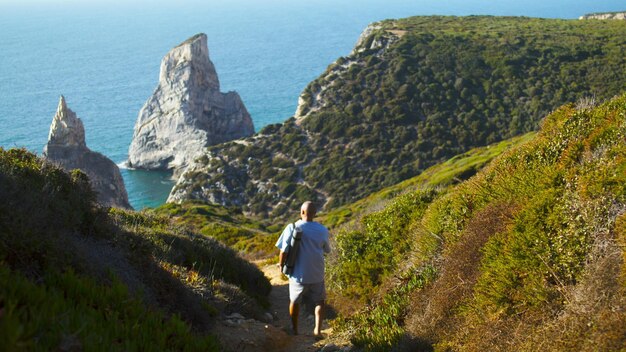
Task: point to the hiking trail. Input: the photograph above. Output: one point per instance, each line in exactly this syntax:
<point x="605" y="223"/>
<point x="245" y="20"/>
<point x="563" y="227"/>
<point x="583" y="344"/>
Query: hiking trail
<point x="249" y="335"/>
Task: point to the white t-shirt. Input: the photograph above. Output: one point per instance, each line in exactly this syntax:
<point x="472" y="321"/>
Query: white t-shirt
<point x="309" y="267"/>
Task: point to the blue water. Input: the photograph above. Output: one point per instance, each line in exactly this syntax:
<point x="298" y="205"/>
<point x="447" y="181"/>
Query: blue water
<point x="105" y="56"/>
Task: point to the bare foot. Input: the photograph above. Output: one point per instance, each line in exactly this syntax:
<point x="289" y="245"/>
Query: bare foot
<point x="317" y="332"/>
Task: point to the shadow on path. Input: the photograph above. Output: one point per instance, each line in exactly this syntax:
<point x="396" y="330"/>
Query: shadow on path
<point x="279" y="299"/>
<point x="255" y="336"/>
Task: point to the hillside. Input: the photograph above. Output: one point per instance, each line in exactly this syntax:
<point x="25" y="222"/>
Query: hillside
<point x="413" y="93"/>
<point x="454" y="170"/>
<point x="527" y="255"/>
<point x="75" y="276"/>
<point x="255" y="239"/>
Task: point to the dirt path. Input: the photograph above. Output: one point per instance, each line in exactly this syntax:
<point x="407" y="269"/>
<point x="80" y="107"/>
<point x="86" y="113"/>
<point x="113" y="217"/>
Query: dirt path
<point x="252" y="335"/>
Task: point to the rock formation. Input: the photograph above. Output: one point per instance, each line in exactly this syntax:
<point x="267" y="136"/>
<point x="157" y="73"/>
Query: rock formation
<point x="187" y="112"/>
<point x="604" y="16"/>
<point x="67" y="148"/>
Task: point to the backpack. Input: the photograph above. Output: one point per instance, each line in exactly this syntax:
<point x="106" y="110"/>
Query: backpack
<point x="293" y="247"/>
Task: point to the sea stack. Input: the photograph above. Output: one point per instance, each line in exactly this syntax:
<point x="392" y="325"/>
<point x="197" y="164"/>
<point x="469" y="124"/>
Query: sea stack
<point x="187" y="112"/>
<point x="66" y="147"/>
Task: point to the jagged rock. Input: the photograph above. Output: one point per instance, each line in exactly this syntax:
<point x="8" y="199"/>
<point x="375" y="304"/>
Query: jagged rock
<point x="361" y="43"/>
<point x="232" y="323"/>
<point x="66" y="130"/>
<point x="187" y="112"/>
<point x="604" y="16"/>
<point x="66" y="147"/>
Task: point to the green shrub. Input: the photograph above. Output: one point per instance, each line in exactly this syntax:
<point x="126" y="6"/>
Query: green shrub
<point x="254" y="239"/>
<point x="67" y="311"/>
<point x="365" y="257"/>
<point x="379" y="326"/>
<point x="158" y="237"/>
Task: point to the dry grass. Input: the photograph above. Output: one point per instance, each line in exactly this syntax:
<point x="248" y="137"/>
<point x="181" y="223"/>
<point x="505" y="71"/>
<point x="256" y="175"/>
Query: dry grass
<point x="592" y="319"/>
<point x="586" y="103"/>
<point x="433" y="311"/>
<point x="595" y="318"/>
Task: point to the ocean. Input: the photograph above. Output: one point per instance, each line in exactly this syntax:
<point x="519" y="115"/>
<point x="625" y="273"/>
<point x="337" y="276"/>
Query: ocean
<point x="104" y="57"/>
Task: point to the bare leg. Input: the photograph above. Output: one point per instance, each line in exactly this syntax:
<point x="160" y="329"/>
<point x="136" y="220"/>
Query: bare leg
<point x="294" y="311"/>
<point x="319" y="315"/>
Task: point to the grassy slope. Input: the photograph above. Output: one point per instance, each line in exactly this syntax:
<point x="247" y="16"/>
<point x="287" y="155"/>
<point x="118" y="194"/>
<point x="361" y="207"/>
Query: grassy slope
<point x="526" y="255"/>
<point x="75" y="276"/>
<point x="445" y="174"/>
<point x="255" y="239"/>
<point x="252" y="238"/>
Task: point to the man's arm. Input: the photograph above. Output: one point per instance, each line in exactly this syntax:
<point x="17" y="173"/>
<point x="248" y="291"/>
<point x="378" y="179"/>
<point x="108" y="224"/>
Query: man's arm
<point x="281" y="258"/>
<point x="282" y="244"/>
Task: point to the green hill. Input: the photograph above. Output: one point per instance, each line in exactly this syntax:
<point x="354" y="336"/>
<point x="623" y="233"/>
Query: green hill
<point x="74" y="276"/>
<point x="413" y="93"/>
<point x="527" y="255"/>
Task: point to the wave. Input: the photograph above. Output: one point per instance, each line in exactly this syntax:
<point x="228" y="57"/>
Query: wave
<point x="124" y="165"/>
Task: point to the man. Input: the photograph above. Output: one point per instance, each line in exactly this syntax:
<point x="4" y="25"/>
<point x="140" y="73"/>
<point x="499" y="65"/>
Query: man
<point x="308" y="272"/>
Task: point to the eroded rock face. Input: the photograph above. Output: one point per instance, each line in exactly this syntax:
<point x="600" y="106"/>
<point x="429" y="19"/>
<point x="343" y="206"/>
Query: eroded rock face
<point x="66" y="147"/>
<point x="66" y="130"/>
<point x="314" y="97"/>
<point x="187" y="112"/>
<point x="604" y="16"/>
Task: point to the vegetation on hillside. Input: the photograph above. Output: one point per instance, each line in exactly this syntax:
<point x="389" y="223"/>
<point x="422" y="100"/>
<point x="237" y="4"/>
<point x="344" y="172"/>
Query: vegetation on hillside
<point x="416" y="92"/>
<point x="76" y="276"/>
<point x="372" y="238"/>
<point x="253" y="239"/>
<point x="527" y="255"/>
<point x="452" y="171"/>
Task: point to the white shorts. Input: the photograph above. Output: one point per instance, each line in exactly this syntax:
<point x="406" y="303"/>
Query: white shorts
<point x="316" y="291"/>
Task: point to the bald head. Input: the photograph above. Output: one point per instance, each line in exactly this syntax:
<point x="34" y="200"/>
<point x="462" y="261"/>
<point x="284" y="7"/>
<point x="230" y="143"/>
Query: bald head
<point x="308" y="211"/>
